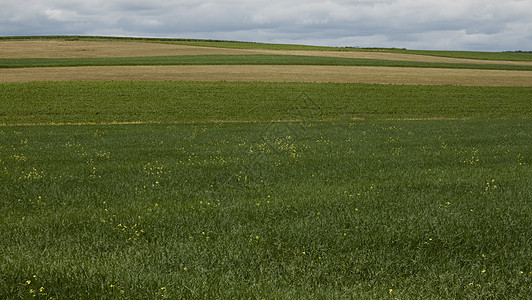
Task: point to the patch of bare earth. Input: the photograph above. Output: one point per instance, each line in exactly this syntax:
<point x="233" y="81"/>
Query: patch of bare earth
<point x="85" y="49"/>
<point x="346" y="74"/>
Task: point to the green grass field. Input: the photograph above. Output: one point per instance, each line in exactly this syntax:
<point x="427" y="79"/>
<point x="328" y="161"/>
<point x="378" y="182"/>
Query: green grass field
<point x="315" y="208"/>
<point x="249" y="190"/>
<point x="241" y="60"/>
<point x="365" y="209"/>
<point x="107" y="102"/>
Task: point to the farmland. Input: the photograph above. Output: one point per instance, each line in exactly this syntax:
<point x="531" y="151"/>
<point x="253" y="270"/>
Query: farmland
<point x="175" y="102"/>
<point x="264" y="189"/>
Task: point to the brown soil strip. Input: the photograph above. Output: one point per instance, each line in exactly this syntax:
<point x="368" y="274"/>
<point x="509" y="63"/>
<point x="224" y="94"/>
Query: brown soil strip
<point x="83" y="49"/>
<point x="167" y="122"/>
<point x="386" y="75"/>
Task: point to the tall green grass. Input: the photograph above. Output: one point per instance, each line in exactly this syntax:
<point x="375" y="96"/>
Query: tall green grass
<point x="314" y="208"/>
<point x="104" y="102"/>
<point x="332" y="210"/>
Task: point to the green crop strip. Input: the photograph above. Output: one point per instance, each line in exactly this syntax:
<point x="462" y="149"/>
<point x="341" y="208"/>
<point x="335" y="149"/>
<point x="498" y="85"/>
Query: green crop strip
<point x="72" y="102"/>
<point x="511" y="56"/>
<point x="239" y="60"/>
<point x="318" y="210"/>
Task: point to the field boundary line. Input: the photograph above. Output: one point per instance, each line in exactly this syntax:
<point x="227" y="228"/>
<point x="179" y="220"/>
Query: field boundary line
<point x="185" y="122"/>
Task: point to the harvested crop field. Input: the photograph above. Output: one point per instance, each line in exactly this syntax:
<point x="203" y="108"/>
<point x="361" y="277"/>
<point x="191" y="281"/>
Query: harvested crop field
<point x="82" y="49"/>
<point x="79" y="49"/>
<point x="409" y="71"/>
<point x="387" y="75"/>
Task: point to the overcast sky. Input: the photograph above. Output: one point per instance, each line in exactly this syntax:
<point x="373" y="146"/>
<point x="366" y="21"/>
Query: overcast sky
<point x="490" y="25"/>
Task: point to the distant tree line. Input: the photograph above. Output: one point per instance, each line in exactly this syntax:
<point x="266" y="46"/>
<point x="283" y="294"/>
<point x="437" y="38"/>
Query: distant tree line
<point x="518" y="51"/>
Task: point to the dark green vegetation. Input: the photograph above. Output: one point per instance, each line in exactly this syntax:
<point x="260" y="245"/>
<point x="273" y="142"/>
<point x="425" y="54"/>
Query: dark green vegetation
<point x="104" y="102"/>
<point x="241" y="60"/>
<point x="512" y="56"/>
<point x="365" y="209"/>
<point x="515" y="56"/>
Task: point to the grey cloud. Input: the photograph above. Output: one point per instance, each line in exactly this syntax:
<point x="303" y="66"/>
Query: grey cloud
<point x="414" y="24"/>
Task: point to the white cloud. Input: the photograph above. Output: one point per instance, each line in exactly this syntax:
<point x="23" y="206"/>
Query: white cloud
<point x="62" y="15"/>
<point x="414" y="24"/>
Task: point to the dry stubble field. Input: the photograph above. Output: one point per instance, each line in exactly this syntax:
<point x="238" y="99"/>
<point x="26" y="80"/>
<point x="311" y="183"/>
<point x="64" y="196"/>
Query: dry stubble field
<point x="286" y="73"/>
